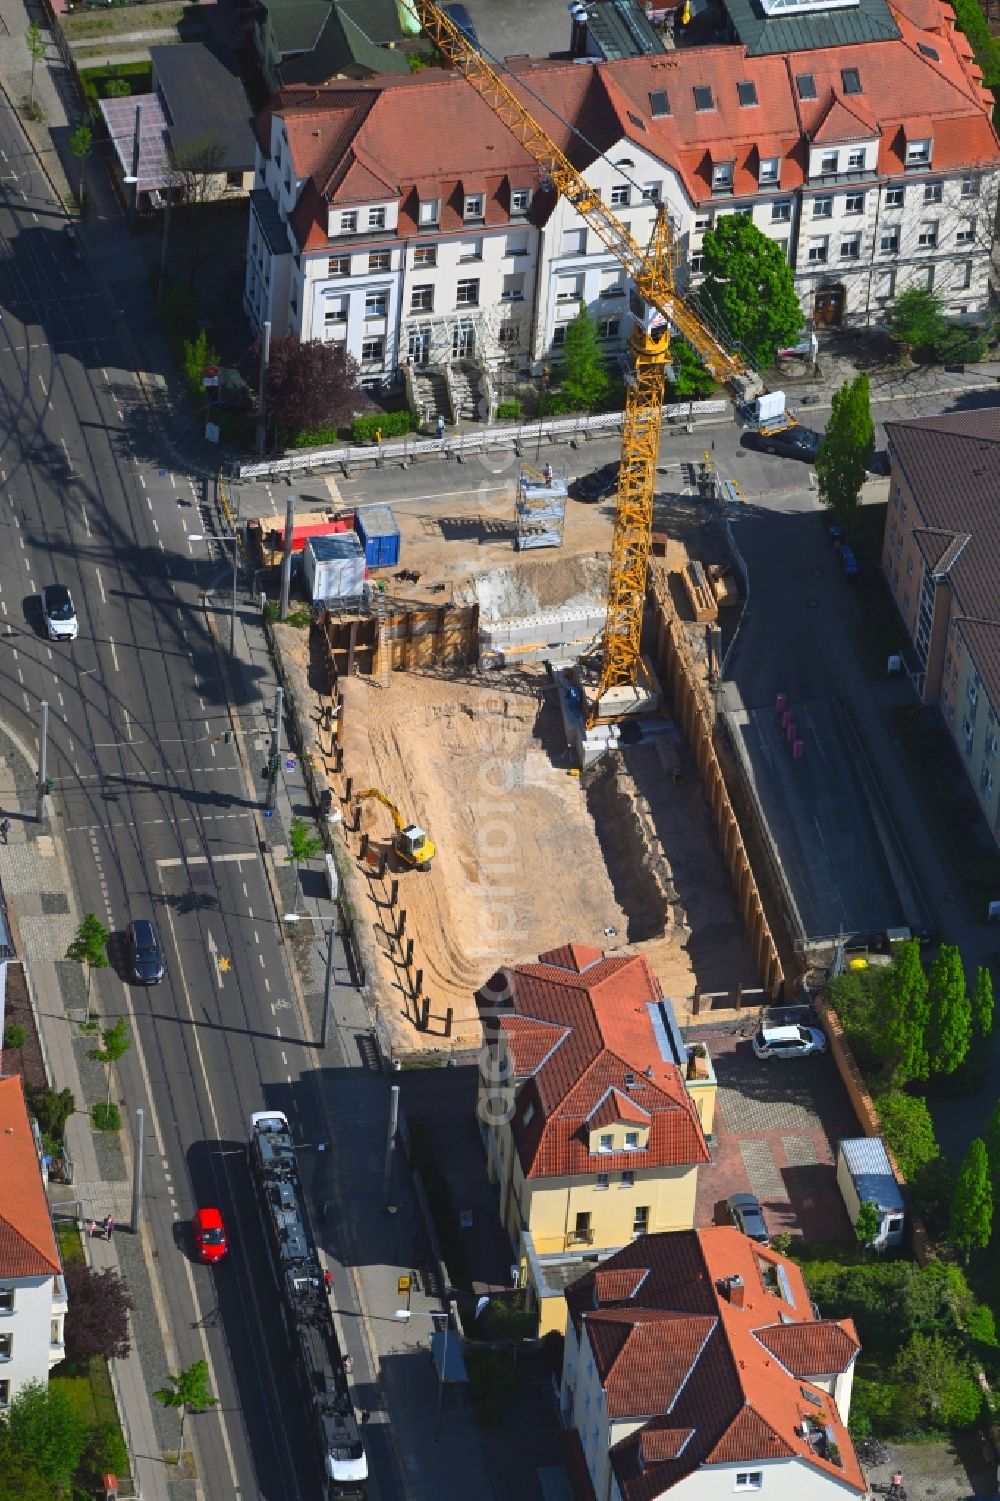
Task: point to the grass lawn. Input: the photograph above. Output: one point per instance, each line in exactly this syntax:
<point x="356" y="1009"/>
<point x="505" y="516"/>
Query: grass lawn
<point x="138" y="76"/>
<point x="89" y="1392"/>
<point x="70" y="1244"/>
<point x="121" y="20"/>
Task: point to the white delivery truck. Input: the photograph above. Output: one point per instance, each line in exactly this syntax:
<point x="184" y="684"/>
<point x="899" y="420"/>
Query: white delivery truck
<point x="865" y="1176"/>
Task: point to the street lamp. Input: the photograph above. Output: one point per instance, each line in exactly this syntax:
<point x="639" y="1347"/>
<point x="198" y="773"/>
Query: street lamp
<point x="331" y="933"/>
<point x="202" y="537"/>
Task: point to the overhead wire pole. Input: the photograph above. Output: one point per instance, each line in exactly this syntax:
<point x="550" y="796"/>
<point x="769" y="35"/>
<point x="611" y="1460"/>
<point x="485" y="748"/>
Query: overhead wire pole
<point x="43" y="763"/>
<point x="265" y="355"/>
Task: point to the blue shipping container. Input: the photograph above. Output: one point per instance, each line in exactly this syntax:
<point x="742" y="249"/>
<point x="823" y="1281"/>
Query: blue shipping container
<point x="376" y="526"/>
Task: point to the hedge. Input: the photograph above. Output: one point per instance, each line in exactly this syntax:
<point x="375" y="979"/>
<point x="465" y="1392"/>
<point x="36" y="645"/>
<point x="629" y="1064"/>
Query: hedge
<point x="389" y="424"/>
<point x="509" y="411"/>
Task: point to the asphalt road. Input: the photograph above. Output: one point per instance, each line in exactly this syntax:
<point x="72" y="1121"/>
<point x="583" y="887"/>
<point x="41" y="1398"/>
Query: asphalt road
<point x="154" y="811"/>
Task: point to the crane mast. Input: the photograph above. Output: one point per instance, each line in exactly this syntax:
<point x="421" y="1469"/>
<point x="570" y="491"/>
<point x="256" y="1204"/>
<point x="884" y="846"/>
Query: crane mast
<point x="651" y="271"/>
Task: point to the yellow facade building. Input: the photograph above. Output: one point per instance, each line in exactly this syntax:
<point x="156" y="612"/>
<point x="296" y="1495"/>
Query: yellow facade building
<point x="593" y="1111"/>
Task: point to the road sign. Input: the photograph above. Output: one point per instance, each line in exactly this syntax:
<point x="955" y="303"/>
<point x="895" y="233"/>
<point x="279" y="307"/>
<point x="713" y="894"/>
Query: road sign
<point x="290" y="763"/>
<point x="268" y="812"/>
<point x="211" y="376"/>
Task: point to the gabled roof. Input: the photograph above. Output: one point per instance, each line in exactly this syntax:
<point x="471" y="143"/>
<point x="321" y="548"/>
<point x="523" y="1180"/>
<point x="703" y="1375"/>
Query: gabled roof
<point x="206" y="107"/>
<point x="27" y="1243"/>
<point x="728" y="1376"/>
<point x="342" y="45"/>
<point x="589" y="1034"/>
<point x="844" y="123"/>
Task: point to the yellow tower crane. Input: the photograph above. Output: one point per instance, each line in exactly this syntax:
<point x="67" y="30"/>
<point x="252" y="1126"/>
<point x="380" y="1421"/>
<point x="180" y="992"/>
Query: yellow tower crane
<point x="651" y="271"/>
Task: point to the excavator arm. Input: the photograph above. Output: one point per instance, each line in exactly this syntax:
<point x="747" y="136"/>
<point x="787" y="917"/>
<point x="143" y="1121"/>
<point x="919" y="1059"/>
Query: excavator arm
<point x="651" y="272"/>
<point x="379" y="796"/>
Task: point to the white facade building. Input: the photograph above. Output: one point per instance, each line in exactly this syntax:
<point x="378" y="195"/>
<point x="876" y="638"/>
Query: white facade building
<point x="33" y="1299"/>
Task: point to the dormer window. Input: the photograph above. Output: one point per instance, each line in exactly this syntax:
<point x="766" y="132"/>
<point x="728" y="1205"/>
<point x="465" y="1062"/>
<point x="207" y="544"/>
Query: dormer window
<point x="474" y="205"/>
<point x="430" y="210"/>
<point x="607" y="1141"/>
<point x="349" y="223"/>
<point x="631" y="1141"/>
<point x="376" y="218"/>
<point x="722" y="177"/>
<point x="829" y="162"/>
<point x="520" y="201"/>
<point x="918" y="153"/>
<point x="769" y="169"/>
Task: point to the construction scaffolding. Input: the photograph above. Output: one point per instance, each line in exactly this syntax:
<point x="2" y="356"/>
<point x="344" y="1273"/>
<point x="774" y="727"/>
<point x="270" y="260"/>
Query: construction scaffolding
<point x="540" y="508"/>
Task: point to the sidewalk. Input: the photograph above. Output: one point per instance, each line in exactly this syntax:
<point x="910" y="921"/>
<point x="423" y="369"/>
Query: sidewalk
<point x="44" y="917"/>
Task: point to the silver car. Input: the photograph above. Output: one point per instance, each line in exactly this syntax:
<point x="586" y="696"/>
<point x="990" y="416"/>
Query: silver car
<point x="59" y="613"/>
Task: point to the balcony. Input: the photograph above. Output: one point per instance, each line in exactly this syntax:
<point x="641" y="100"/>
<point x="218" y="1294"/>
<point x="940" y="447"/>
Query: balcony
<point x="579" y="1238"/>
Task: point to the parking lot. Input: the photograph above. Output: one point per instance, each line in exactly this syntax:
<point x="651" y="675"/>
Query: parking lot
<point x="777" y="1125"/>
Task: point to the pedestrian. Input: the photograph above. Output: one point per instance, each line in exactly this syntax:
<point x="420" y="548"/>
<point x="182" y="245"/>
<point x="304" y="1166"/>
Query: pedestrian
<point x="91" y="1228"/>
<point x="548" y="474"/>
<point x="896" y="1486"/>
<point x="328" y="1281"/>
<point x="365" y="1415"/>
<point x="440" y="428"/>
<point x="109" y="1228"/>
<point x="4" y="829"/>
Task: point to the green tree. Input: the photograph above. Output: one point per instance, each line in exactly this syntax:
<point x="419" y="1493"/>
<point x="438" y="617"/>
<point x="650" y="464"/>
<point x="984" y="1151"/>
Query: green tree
<point x="90" y="947"/>
<point x="916" y="318"/>
<point x="972" y="1207"/>
<point x="749" y="288"/>
<point x="196" y="355"/>
<point x="902" y="1026"/>
<point x="690" y="379"/>
<point x="868" y="1222"/>
<point x="81" y="144"/>
<point x="45" y="1431"/>
<point x="35" y="43"/>
<point x="949" y="1024"/>
<point x="936" y="1388"/>
<point x="846" y="450"/>
<point x="585" y="379"/>
<point x="22" y="1481"/>
<point x="116" y="1044"/>
<point x="993" y="1147"/>
<point x="982" y="1008"/>
<point x="909" y="1130"/>
<point x="303" y="844"/>
<point x="188" y="1391"/>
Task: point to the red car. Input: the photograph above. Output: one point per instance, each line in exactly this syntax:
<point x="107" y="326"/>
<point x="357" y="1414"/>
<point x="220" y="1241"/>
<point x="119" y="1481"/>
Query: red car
<point x="210" y="1235"/>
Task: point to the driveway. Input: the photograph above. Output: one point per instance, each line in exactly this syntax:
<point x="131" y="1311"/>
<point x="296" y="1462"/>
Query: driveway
<point x="777" y="1125"/>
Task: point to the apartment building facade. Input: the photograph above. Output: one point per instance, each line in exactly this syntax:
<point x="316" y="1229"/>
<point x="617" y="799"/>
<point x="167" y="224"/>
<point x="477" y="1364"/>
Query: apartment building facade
<point x="402" y="217"/>
<point x="33" y="1300"/>
<point x="941" y="557"/>
<point x="593" y="1130"/>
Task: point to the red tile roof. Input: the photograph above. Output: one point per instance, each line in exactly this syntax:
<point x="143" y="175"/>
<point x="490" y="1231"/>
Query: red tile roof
<point x="27" y="1244"/>
<point x="729" y="1378"/>
<point x="430" y="135"/>
<point x="580" y="1034"/>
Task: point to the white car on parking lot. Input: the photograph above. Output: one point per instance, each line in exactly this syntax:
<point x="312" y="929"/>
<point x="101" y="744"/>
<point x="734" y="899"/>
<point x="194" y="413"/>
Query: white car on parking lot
<point x="788" y="1042"/>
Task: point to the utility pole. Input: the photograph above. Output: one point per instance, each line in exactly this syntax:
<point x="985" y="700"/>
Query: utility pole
<point x="272" y="785"/>
<point x="390" y="1142"/>
<point x="43" y="764"/>
<point x="140" y="1128"/>
<point x="265" y="355"/>
<point x="286" y="557"/>
<point x="232" y="613"/>
<point x="328" y="985"/>
<point x="133" y="208"/>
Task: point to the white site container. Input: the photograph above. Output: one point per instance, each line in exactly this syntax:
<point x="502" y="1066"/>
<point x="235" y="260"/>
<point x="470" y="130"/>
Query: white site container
<point x="334" y="567"/>
<point x="865" y="1175"/>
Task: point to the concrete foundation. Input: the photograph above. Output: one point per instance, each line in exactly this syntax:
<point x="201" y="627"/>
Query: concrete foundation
<point x="556" y="636"/>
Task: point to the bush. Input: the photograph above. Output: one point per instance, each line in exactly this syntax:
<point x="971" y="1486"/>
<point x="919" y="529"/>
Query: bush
<point x="390" y="424"/>
<point x="196" y="355"/>
<point x="14" y="1037"/>
<point x="318" y="437"/>
<point x="872" y="1404"/>
<point x="52" y="1109"/>
<point x="508" y="411"/>
<point x="936" y="1388"/>
<point x="118" y="88"/>
<point x="106" y="1117"/>
<point x="105" y="1454"/>
<point x="908" y="1128"/>
<point x="554" y="404"/>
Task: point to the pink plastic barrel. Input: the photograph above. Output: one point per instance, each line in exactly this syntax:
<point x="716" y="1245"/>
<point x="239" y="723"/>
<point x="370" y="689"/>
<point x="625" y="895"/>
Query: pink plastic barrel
<point x="799" y="750"/>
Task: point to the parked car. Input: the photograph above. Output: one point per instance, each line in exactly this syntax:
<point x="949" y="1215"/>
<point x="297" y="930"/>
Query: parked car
<point x="209" y="1235"/>
<point x="747" y="1215"/>
<point x="796" y="442"/>
<point x="597" y="485"/>
<point x="59" y="613"/>
<point x="788" y="1042"/>
<point x="145" y="959"/>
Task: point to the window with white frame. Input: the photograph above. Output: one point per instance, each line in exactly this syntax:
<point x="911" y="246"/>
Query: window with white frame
<point x="895" y="197"/>
<point x="850" y="247"/>
<point x="338" y="265"/>
<point x="574" y="242"/>
<point x="425" y="255"/>
<point x="335" y="310"/>
<point x="963" y="276"/>
<point x="932" y="192"/>
<point x="376" y="218"/>
<point x="6" y="1346"/>
<point x="513" y="287"/>
<point x="889" y="242"/>
<point x="422" y="299"/>
<point x="856" y="160"/>
<point x="380" y="260"/>
<point x="743" y="213"/>
<point x="749" y="1480"/>
<point x="430" y="210"/>
<point x="507" y="336"/>
<point x="6" y="1300"/>
<point x="829" y="161"/>
<point x="608" y="328"/>
<point x="927" y="236"/>
<point x="631" y="1141"/>
<point x="918" y="153"/>
<point x="722" y="177"/>
<point x="55" y="1331"/>
<point x="467" y="292"/>
<point x="603" y="1179"/>
<point x="697" y="264"/>
<point x="516" y="244"/>
<point x="349" y="223"/>
<point x="569" y="288"/>
<point x="965" y="234"/>
<point x="520" y="201"/>
<point x="781" y="210"/>
<point x="640" y="1219"/>
<point x="768" y="171"/>
<point x="702" y="222"/>
<point x="822" y="208"/>
<point x="607" y="1141"/>
<point x="612" y="284"/>
<point x="372" y="351"/>
<point x="376" y="304"/>
<point x="971" y="184"/>
<point x="854" y="203"/>
<point x="620" y="195"/>
<point x="4" y="1394"/>
<point x="818" y="250"/>
<point x="475" y="206"/>
<point x="651" y="192"/>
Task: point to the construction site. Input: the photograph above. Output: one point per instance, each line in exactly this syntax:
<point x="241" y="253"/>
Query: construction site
<point x="442" y="700"/>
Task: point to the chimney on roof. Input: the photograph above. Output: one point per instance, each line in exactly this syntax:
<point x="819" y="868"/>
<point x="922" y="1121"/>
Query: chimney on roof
<point x="578" y="34"/>
<point x="735" y="1289"/>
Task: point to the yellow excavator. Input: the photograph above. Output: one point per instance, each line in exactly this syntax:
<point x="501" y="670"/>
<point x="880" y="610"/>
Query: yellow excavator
<point x="409" y="841"/>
